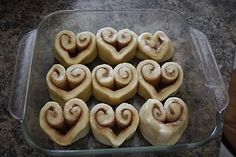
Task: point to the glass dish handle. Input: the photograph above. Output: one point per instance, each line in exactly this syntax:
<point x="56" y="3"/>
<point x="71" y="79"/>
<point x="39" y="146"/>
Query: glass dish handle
<point x="20" y="78"/>
<point x="210" y="68"/>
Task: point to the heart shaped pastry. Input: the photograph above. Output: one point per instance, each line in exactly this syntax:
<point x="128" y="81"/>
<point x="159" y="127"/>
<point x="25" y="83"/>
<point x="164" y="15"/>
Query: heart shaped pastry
<point x="71" y="49"/>
<point x="158" y="47"/>
<point x="67" y="125"/>
<point x="158" y="82"/>
<point x="75" y="82"/>
<point x="116" y="47"/>
<point x="114" y="86"/>
<point x="113" y="128"/>
<point x="163" y="124"/>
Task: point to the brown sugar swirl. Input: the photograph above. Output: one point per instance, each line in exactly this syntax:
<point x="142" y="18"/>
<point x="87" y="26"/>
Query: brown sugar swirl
<point x="114" y="46"/>
<point x="113" y="127"/>
<point x="159" y="82"/>
<point x="74" y="49"/>
<point x="157" y="47"/>
<point x="65" y="125"/>
<point x="114" y="86"/>
<point x="65" y="84"/>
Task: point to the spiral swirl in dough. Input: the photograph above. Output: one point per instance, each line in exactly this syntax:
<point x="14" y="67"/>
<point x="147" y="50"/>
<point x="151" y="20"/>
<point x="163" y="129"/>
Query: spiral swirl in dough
<point x="114" y="86"/>
<point x="158" y="47"/>
<point x="71" y="49"/>
<point x="163" y="125"/>
<point x="67" y="125"/>
<point x="105" y="123"/>
<point x="156" y="82"/>
<point x="116" y="47"/>
<point x="58" y="76"/>
<point x="105" y="76"/>
<point x="123" y="74"/>
<point x="54" y="116"/>
<point x="66" y="40"/>
<point x="104" y="115"/>
<point x="169" y="72"/>
<point x="158" y="112"/>
<point x="124" y="37"/>
<point x="71" y="83"/>
<point x="151" y="71"/>
<point x="83" y="40"/>
<point x="72" y="113"/>
<point x="75" y="75"/>
<point x="124" y="115"/>
<point x="109" y="35"/>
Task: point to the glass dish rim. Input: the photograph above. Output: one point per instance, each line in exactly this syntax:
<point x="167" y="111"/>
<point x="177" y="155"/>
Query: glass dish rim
<point x="160" y="148"/>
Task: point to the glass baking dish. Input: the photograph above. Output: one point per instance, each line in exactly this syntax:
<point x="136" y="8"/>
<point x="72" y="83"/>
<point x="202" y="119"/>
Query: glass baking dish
<point x="203" y="89"/>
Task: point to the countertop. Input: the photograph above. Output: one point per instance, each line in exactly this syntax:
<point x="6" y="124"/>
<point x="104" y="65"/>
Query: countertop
<point x="215" y="18"/>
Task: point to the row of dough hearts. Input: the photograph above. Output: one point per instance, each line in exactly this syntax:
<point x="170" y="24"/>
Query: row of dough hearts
<point x="111" y="46"/>
<point x="114" y="86"/>
<point x="158" y="124"/>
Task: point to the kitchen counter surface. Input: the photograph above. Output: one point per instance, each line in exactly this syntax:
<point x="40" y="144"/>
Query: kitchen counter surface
<point x="215" y="18"/>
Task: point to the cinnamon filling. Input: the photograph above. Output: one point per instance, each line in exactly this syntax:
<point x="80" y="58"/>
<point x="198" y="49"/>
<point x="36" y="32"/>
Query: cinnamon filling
<point x="157" y="46"/>
<point x="73" y="53"/>
<point x="66" y="85"/>
<point x="112" y="40"/>
<point x="123" y="75"/>
<point x="115" y="127"/>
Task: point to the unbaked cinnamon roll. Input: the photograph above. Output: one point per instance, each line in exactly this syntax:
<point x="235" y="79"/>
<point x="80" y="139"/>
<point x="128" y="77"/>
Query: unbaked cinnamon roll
<point x="158" y="82"/>
<point x="71" y="49"/>
<point x="158" y="47"/>
<point x="113" y="127"/>
<point x="163" y="124"/>
<point x="116" y="47"/>
<point x="75" y="82"/>
<point x="114" y="86"/>
<point x="67" y="125"/>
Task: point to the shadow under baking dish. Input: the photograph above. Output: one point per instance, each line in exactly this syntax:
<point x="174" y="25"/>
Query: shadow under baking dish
<point x="202" y="89"/>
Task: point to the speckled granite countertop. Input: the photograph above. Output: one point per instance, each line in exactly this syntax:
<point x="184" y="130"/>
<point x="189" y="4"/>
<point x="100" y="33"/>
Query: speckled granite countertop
<point x="214" y="18"/>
